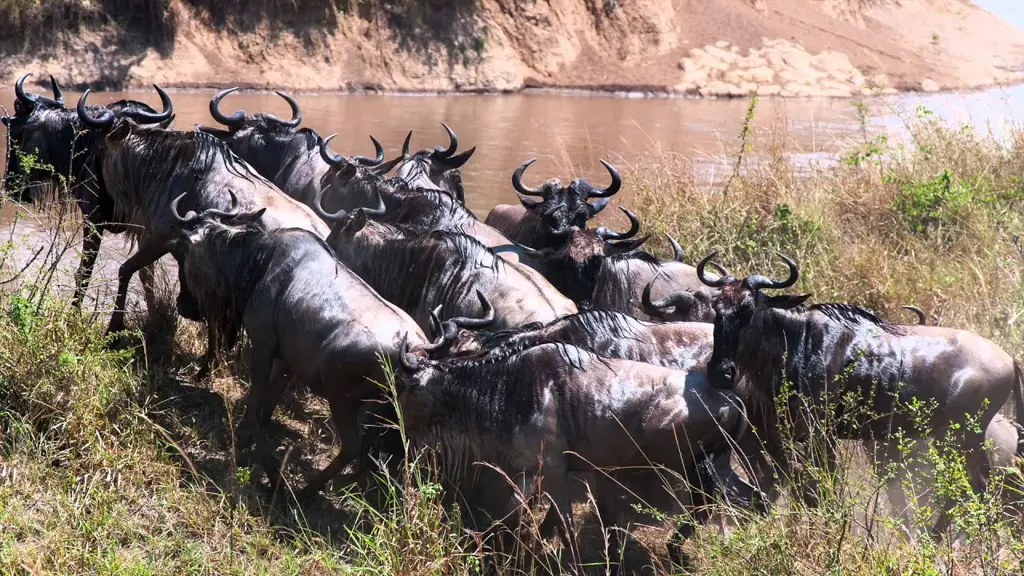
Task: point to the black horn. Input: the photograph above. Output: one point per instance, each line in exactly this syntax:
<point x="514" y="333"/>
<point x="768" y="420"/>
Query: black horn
<point x="677" y="250"/>
<point x="188" y="218"/>
<point x="922" y="318"/>
<point x="487" y="318"/>
<point x="758" y="282"/>
<point x="58" y="96"/>
<point x="19" y="91"/>
<point x="364" y="161"/>
<point x="656" y="308"/>
<point x="436" y="344"/>
<point x="328" y="156"/>
<point x="703" y="277"/>
<point x="144" y="117"/>
<point x="405" y="145"/>
<point x="634" y="227"/>
<point x="453" y="144"/>
<point x="318" y="207"/>
<point x="517" y="180"/>
<point x="106" y="119"/>
<point x="612" y="188"/>
<point x="296" y="111"/>
<point x="237" y="118"/>
<point x="409" y="360"/>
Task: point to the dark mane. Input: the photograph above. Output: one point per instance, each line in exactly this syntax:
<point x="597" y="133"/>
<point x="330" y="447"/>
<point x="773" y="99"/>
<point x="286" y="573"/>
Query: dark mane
<point x="638" y="255"/>
<point x="484" y="390"/>
<point x="853" y="316"/>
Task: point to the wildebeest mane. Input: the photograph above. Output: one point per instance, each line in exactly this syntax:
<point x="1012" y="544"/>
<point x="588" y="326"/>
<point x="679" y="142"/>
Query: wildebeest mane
<point x="614" y="324"/>
<point x="154" y="158"/>
<point x="853" y="315"/>
<point x="484" y="389"/>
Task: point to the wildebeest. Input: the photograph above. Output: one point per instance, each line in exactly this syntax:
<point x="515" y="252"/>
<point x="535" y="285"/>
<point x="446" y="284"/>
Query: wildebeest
<point x="421" y="210"/>
<point x="46" y="129"/>
<point x="553" y="410"/>
<point x="922" y="318"/>
<point x="546" y="222"/>
<point x="855" y="374"/>
<point x="640" y="285"/>
<point x="282" y="152"/>
<point x="441" y="268"/>
<point x="310" y="319"/>
<point x="436" y="169"/>
<point x="144" y="169"/>
<point x="572" y="267"/>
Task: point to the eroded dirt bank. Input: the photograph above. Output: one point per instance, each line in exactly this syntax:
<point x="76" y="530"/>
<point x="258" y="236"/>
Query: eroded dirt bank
<point x="834" y="48"/>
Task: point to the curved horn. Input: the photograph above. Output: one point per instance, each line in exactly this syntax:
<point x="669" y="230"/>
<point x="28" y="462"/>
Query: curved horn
<point x="328" y="156"/>
<point x="703" y="278"/>
<point x="19" y="90"/>
<point x="318" y="207"/>
<point x="405" y="145"/>
<point x="105" y="120"/>
<point x="487" y="318"/>
<point x="386" y="167"/>
<point x="230" y="212"/>
<point x="187" y="218"/>
<point x="634" y="227"/>
<point x="296" y="112"/>
<point x="143" y="117"/>
<point x="436" y="344"/>
<point x="364" y="161"/>
<point x="612" y="188"/>
<point x="58" y="96"/>
<point x="677" y="250"/>
<point x="517" y="180"/>
<point x="380" y="210"/>
<point x="922" y="318"/>
<point x="235" y="119"/>
<point x="409" y="361"/>
<point x="677" y="299"/>
<point x="453" y="144"/>
<point x="458" y="160"/>
<point x="759" y="282"/>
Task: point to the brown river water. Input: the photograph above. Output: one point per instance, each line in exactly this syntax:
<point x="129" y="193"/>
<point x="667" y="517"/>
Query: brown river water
<point x="568" y="134"/>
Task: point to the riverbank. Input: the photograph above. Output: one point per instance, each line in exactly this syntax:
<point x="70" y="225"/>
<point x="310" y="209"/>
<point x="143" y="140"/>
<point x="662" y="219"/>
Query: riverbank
<point x="717" y="48"/>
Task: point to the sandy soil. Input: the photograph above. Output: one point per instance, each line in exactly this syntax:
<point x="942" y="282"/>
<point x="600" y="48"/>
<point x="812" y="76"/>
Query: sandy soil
<point x="833" y="48"/>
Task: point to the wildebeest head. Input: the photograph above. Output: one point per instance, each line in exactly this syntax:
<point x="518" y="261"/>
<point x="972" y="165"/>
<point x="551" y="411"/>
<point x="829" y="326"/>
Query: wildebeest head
<point x="263" y="139"/>
<point x="355" y="179"/>
<point x="192" y="230"/>
<point x="44" y="128"/>
<point x="737" y="307"/>
<point x="436" y="169"/>
<point x="573" y="267"/>
<point x="564" y="208"/>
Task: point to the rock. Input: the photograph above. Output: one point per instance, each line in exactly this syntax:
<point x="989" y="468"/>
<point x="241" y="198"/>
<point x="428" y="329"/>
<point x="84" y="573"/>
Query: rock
<point x="761" y="75"/>
<point x="723" y="55"/>
<point x="721" y="44"/>
<point x="719" y="88"/>
<point x="770" y="90"/>
<point x="687" y="65"/>
<point x="929" y="85"/>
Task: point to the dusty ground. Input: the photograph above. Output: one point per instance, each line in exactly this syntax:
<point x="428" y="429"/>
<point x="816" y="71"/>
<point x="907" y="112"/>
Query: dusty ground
<point x="705" y="47"/>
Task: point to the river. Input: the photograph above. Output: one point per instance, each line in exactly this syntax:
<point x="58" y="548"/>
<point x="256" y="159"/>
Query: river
<point x="569" y="134"/>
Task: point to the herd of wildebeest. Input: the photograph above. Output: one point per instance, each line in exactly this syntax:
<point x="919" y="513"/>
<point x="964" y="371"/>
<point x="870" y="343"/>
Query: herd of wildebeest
<point x="531" y="341"/>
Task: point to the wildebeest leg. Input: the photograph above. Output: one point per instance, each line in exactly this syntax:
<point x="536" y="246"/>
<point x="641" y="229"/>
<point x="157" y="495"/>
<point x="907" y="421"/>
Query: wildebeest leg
<point x="889" y="464"/>
<point x="345" y="413"/>
<point x="147" y="277"/>
<point x="262" y="375"/>
<point x="148" y="253"/>
<point x="978" y="470"/>
<point x="558" y="491"/>
<point x="221" y="336"/>
<point x="91" y="240"/>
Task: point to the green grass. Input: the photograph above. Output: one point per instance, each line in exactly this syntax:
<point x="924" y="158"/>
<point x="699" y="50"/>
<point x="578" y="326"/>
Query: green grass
<point x="115" y="462"/>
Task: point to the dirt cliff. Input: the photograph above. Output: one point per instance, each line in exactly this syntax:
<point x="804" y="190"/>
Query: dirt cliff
<point x="706" y="47"/>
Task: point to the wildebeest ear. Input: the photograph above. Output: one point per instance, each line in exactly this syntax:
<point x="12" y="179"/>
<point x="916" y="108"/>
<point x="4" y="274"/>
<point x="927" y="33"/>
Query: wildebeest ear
<point x="785" y="301"/>
<point x="120" y="132"/>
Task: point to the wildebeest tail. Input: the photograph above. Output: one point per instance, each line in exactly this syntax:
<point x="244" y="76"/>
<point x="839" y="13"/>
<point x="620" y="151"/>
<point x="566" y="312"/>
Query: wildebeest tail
<point x="1018" y="401"/>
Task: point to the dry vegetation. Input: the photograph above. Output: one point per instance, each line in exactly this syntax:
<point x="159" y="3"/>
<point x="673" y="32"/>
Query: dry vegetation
<point x="114" y="462"/>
